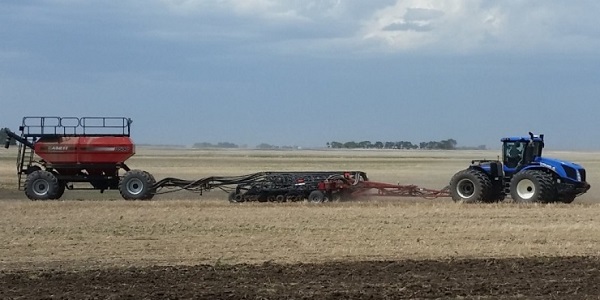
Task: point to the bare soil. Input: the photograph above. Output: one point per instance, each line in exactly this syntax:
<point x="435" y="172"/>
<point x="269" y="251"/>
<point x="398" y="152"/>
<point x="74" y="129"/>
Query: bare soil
<point x="526" y="278"/>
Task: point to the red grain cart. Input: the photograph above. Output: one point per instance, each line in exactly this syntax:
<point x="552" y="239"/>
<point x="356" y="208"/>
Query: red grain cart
<point x="56" y="152"/>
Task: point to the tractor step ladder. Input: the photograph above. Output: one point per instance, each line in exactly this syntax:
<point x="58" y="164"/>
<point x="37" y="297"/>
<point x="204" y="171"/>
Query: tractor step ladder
<point x="507" y="185"/>
<point x="24" y="160"/>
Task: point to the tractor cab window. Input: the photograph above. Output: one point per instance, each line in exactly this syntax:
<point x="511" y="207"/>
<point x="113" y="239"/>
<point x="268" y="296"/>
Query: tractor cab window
<point x="537" y="148"/>
<point x="513" y="153"/>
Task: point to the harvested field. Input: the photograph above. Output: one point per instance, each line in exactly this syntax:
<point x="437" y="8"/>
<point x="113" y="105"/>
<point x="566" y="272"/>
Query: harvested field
<point x="183" y="245"/>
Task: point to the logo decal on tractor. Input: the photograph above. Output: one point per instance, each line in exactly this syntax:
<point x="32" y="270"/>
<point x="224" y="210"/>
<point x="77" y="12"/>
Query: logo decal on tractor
<point x="545" y="165"/>
<point x="58" y="148"/>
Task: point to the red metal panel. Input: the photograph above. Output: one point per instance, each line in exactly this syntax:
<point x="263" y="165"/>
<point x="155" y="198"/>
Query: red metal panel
<point x="106" y="149"/>
<point x="85" y="150"/>
<point x="58" y="149"/>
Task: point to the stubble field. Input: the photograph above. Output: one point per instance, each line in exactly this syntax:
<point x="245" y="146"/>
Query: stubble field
<point x="183" y="245"/>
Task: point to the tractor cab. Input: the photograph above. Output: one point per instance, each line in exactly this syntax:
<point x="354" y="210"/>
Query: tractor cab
<point x="518" y="152"/>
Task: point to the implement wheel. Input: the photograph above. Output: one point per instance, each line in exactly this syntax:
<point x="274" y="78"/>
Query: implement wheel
<point x="235" y="197"/>
<point x="316" y="196"/>
<point x="137" y="185"/>
<point x="42" y="185"/>
<point x="532" y="186"/>
<point x="470" y="186"/>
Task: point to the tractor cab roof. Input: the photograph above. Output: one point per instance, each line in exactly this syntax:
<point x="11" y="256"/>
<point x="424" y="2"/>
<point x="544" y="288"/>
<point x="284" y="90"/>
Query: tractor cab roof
<point x="530" y="138"/>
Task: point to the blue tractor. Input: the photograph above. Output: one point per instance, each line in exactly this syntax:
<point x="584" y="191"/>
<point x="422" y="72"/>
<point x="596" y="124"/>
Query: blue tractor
<point x="523" y="174"/>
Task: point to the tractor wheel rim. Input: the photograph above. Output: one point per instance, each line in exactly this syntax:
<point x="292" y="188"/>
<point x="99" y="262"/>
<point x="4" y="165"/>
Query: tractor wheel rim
<point x="40" y="187"/>
<point x="526" y="189"/>
<point x="465" y="188"/>
<point x="135" y="186"/>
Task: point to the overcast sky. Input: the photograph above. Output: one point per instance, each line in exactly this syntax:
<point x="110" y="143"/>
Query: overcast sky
<point x="300" y="72"/>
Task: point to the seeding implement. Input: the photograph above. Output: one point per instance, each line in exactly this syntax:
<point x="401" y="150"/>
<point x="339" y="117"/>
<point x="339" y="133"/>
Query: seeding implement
<point x="298" y="186"/>
<point x="58" y="153"/>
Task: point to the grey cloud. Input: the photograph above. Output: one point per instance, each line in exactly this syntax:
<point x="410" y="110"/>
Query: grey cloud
<point x="422" y="14"/>
<point x="416" y="19"/>
<point x="408" y="26"/>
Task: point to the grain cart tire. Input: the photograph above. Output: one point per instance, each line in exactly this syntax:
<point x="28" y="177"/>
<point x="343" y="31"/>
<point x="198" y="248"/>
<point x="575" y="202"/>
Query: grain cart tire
<point x="316" y="196"/>
<point x="470" y="186"/>
<point x="41" y="185"/>
<point x="152" y="189"/>
<point x="61" y="190"/>
<point x="136" y="185"/>
<point x="532" y="186"/>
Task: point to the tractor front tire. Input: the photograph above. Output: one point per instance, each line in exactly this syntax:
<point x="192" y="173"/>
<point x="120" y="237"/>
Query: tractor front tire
<point x="470" y="186"/>
<point x="137" y="185"/>
<point x="42" y="185"/>
<point x="532" y="186"/>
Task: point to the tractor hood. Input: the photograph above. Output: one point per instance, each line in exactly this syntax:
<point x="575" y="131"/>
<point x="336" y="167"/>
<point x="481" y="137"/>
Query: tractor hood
<point x="557" y="162"/>
<point x="565" y="169"/>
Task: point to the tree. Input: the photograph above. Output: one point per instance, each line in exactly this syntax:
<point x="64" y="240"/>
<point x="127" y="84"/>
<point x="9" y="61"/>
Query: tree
<point x="350" y="145"/>
<point x="227" y="145"/>
<point x="365" y="145"/>
<point x="336" y="145"/>
<point x="266" y="146"/>
<point x="449" y="144"/>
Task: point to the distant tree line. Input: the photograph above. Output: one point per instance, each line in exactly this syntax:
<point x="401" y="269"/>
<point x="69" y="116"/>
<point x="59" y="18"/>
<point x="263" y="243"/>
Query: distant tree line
<point x="449" y="144"/>
<point x="227" y="145"/>
<point x="218" y="145"/>
<point x="275" y="147"/>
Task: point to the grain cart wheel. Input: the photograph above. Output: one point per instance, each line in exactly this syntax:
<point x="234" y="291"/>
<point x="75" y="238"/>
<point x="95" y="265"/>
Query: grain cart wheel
<point x="316" y="196"/>
<point x="532" y="186"/>
<point x="61" y="190"/>
<point x="136" y="185"/>
<point x="470" y="186"/>
<point x="41" y="185"/>
<point x="152" y="189"/>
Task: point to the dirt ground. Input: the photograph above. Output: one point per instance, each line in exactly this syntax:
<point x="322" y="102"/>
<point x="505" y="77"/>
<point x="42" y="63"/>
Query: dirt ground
<point x="525" y="278"/>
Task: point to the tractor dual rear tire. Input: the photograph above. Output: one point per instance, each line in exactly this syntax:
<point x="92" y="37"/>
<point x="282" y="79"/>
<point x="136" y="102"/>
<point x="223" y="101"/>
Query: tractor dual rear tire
<point x="532" y="186"/>
<point x="43" y="185"/>
<point x="470" y="186"/>
<point x="137" y="185"/>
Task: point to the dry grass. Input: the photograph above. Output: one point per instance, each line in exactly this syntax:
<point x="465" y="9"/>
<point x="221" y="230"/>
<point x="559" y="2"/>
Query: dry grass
<point x="188" y="229"/>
